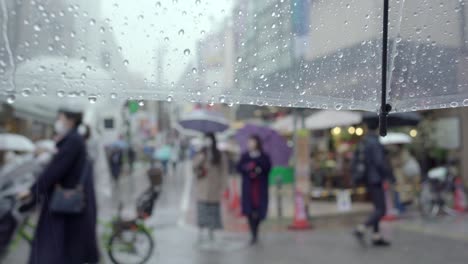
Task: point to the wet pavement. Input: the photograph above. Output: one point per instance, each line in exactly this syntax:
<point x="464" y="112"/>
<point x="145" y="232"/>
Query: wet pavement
<point x="443" y="240"/>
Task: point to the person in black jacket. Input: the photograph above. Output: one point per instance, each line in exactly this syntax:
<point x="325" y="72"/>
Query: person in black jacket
<point x="377" y="173"/>
<point x="61" y="238"/>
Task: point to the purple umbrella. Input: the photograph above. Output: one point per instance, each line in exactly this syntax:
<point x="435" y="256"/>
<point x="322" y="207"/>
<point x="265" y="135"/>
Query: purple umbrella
<point x="204" y="121"/>
<point x="273" y="143"/>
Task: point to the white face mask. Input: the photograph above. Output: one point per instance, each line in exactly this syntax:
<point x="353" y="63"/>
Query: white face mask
<point x="60" y="128"/>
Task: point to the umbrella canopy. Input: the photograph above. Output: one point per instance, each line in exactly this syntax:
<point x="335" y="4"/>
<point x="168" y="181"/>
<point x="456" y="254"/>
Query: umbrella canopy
<point x="285" y="124"/>
<point x="395" y="119"/>
<point x="396" y="139"/>
<point x="163" y="153"/>
<point x="273" y="143"/>
<point x="15" y="142"/>
<point x="204" y="121"/>
<point x="331" y="56"/>
<point x="326" y="119"/>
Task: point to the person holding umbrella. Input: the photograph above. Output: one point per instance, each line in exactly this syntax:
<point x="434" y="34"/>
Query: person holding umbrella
<point x="210" y="167"/>
<point x="254" y="166"/>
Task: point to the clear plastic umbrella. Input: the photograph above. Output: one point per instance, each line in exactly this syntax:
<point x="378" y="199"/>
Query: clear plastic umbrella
<point x="326" y="54"/>
<point x="15" y="142"/>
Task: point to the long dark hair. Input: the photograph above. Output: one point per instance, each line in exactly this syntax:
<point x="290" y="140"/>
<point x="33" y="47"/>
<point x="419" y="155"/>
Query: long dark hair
<point x="258" y="142"/>
<point x="215" y="153"/>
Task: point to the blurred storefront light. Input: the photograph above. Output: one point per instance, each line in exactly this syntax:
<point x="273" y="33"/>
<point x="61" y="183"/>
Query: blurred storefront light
<point x="336" y="131"/>
<point x="359" y="131"/>
<point x="413" y="133"/>
<point x="351" y="130"/>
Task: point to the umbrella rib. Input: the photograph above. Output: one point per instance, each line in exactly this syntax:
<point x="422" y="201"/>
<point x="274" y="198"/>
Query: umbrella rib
<point x="385" y="108"/>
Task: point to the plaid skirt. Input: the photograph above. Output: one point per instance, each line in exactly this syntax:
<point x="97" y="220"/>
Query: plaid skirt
<point x="209" y="215"/>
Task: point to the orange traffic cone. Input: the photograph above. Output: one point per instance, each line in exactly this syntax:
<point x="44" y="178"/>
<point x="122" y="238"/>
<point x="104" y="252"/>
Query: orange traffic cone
<point x="460" y="203"/>
<point x="391" y="214"/>
<point x="300" y="221"/>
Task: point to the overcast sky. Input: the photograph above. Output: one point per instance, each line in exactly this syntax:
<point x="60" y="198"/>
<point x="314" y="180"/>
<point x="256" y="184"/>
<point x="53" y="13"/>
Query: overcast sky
<point x="142" y="26"/>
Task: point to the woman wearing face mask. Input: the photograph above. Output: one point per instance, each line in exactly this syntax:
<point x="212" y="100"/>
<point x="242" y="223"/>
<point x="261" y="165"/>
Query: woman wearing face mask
<point x="254" y="166"/>
<point x="65" y="238"/>
<point x="210" y="167"/>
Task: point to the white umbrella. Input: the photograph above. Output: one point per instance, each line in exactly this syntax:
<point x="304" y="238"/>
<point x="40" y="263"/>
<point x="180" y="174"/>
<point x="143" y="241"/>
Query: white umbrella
<point x="285" y="124"/>
<point x="204" y="121"/>
<point x="395" y="139"/>
<point x="15" y="142"/>
<point x="326" y="119"/>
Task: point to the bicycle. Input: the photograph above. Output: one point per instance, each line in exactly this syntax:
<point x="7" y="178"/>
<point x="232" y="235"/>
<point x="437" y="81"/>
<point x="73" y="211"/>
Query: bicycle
<point x="130" y="241"/>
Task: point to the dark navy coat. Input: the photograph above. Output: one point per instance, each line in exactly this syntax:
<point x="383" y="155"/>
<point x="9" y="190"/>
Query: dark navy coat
<point x="264" y="163"/>
<point x="378" y="167"/>
<point x="61" y="239"/>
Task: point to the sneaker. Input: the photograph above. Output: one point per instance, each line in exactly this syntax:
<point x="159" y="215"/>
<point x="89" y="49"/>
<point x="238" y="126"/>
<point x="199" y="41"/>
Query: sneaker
<point x="359" y="235"/>
<point x="381" y="242"/>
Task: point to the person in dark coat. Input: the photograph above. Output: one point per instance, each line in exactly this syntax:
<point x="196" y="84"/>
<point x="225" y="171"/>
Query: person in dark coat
<point x="116" y="162"/>
<point x="254" y="166"/>
<point x="377" y="173"/>
<point x="70" y="239"/>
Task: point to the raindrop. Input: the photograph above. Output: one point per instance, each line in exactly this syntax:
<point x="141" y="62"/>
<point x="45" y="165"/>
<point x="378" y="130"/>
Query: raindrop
<point x="202" y="32"/>
<point x="186" y="52"/>
<point x="222" y="99"/>
<point x="181" y="32"/>
<point x="239" y="59"/>
<point x="338" y="107"/>
<point x="255" y="68"/>
<point x="197" y="2"/>
<point x="141" y="17"/>
<point x="273" y="26"/>
<point x="92" y="98"/>
<point x="60" y="93"/>
<point x="26" y="92"/>
<point x="42" y="68"/>
<point x="166" y="39"/>
<point x="348" y="6"/>
<point x="11" y="98"/>
<point x="102" y="29"/>
<point x="453" y="104"/>
<point x="113" y="96"/>
<point x="141" y="103"/>
<point x="169" y="98"/>
<point x="340" y="55"/>
<point x="465" y="102"/>
<point x="194" y="70"/>
<point x="37" y="27"/>
<point x="83" y="76"/>
<point x="125" y="62"/>
<point x="158" y="4"/>
<point x="412" y="95"/>
<point x="92" y="22"/>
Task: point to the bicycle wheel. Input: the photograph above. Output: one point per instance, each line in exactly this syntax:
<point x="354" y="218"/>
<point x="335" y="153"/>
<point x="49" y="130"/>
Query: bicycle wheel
<point x="130" y="246"/>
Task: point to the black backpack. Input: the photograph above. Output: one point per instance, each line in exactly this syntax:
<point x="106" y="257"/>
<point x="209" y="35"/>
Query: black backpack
<point x="359" y="164"/>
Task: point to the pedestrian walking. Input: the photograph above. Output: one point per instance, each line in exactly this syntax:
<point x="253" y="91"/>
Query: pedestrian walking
<point x="210" y="167"/>
<point x="60" y="236"/>
<point x="371" y="167"/>
<point x="254" y="166"/>
<point x="116" y="162"/>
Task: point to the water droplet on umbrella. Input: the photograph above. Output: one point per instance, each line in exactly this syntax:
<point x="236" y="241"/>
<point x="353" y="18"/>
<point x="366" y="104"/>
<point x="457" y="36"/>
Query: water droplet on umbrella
<point x="92" y="98"/>
<point x="158" y="4"/>
<point x="194" y="70"/>
<point x="340" y="55"/>
<point x="202" y="32"/>
<point x="125" y="62"/>
<point x="141" y="103"/>
<point x="453" y="104"/>
<point x="113" y="95"/>
<point x="239" y="59"/>
<point x="465" y="102"/>
<point x="338" y="107"/>
<point x="83" y="59"/>
<point x="102" y="29"/>
<point x="181" y="32"/>
<point x="169" y="98"/>
<point x="60" y="93"/>
<point x="348" y="6"/>
<point x="92" y="22"/>
<point x="222" y="99"/>
<point x="412" y="95"/>
<point x="141" y="17"/>
<point x="26" y="92"/>
<point x="11" y="98"/>
<point x="186" y="52"/>
<point x="37" y="27"/>
<point x="166" y="39"/>
<point x="197" y="2"/>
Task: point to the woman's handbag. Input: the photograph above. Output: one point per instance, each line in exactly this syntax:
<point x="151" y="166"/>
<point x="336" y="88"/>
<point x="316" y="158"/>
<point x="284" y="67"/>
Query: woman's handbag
<point x="70" y="201"/>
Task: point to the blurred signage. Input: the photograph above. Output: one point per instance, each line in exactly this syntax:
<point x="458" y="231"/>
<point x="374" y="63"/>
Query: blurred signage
<point x="300" y="13"/>
<point x="447" y="133"/>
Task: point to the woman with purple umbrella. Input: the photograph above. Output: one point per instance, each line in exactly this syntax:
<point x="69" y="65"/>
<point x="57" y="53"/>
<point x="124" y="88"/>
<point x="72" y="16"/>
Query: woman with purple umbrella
<point x="254" y="166"/>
